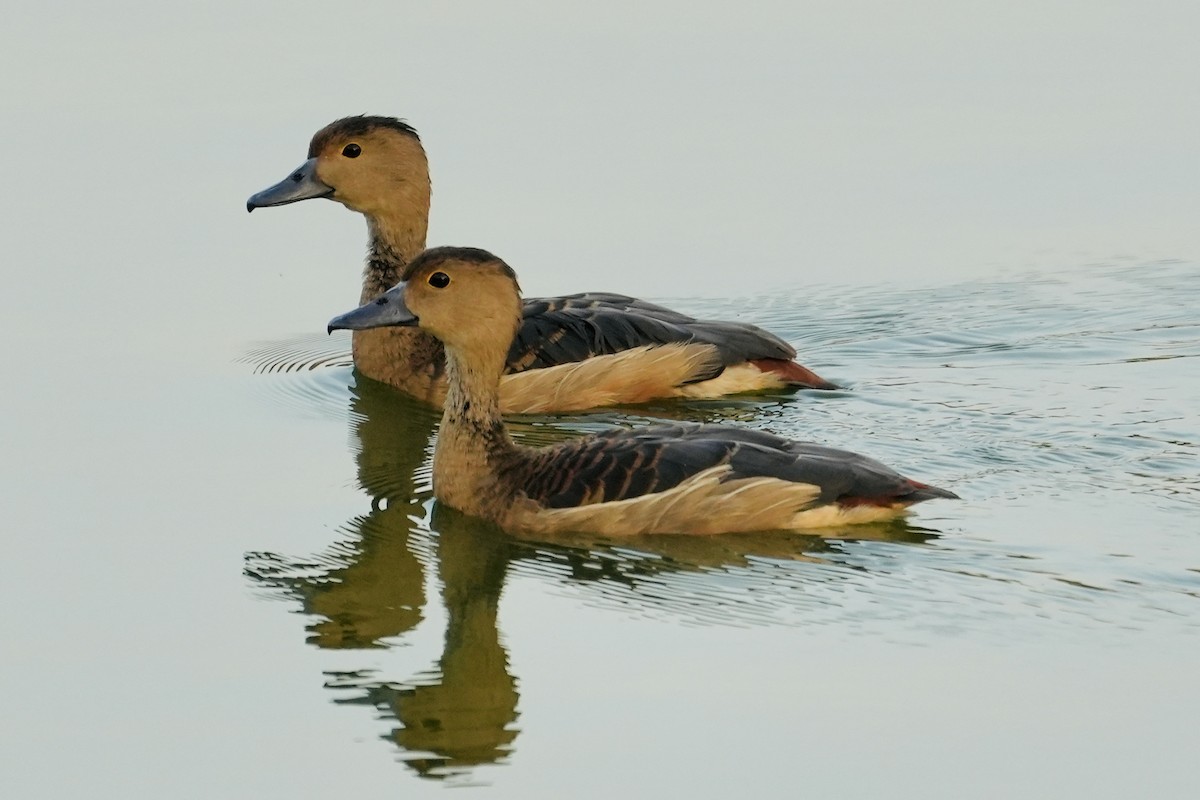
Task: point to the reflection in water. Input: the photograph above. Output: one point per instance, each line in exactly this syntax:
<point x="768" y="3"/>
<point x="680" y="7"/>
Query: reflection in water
<point x="460" y="715"/>
<point x="455" y="716"/>
<point x="366" y="592"/>
<point x="740" y="580"/>
<point x="394" y="434"/>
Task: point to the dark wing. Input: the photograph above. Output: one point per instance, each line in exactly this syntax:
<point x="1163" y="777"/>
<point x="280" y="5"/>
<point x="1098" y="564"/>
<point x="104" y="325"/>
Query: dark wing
<point x="842" y="475"/>
<point x="618" y="302"/>
<point x="621" y="464"/>
<point x="603" y="468"/>
<point x="562" y="330"/>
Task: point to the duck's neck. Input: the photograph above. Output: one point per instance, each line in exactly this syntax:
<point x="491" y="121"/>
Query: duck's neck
<point x="406" y="358"/>
<point x="393" y="241"/>
<point x="473" y="450"/>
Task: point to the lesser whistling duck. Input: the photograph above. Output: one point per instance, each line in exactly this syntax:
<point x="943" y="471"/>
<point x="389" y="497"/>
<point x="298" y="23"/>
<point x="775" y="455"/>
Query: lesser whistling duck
<point x="673" y="478"/>
<point x="571" y="353"/>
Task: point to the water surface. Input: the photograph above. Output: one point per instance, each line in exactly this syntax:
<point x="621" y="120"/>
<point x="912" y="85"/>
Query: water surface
<point x="1059" y="407"/>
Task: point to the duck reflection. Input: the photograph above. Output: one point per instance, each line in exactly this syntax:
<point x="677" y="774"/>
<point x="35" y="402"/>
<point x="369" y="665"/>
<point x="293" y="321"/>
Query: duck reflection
<point x="370" y="587"/>
<point x="367" y="591"/>
<point x="460" y="715"/>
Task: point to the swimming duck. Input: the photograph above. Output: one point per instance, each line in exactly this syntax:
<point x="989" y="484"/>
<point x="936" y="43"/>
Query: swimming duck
<point x="668" y="478"/>
<point x="571" y="353"/>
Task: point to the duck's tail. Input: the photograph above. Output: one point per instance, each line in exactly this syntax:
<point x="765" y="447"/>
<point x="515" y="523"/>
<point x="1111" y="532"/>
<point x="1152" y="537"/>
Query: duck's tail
<point x="793" y="374"/>
<point x="923" y="491"/>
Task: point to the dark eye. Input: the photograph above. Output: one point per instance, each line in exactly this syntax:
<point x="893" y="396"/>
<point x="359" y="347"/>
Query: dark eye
<point x="351" y="150"/>
<point x="439" y="280"/>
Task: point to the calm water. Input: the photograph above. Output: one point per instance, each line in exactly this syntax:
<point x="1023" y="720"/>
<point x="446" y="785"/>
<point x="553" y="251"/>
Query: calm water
<point x="1060" y="407"/>
<point x="222" y="574"/>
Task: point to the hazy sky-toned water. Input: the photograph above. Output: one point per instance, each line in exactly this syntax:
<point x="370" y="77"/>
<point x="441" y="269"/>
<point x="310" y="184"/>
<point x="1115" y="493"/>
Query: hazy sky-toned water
<point x="225" y="579"/>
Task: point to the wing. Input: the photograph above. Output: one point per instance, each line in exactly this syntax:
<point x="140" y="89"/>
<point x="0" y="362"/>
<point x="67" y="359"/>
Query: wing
<point x="560" y="330"/>
<point x="604" y="468"/>
<point x="843" y="476"/>
<point x="622" y="464"/>
<point x="618" y="302"/>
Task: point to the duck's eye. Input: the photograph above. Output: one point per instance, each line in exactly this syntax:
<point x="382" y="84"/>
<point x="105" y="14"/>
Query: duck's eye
<point x="351" y="150"/>
<point x="439" y="280"/>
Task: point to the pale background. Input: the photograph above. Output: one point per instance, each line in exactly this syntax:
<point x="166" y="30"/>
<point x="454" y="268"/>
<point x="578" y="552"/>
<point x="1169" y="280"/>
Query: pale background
<point x="663" y="149"/>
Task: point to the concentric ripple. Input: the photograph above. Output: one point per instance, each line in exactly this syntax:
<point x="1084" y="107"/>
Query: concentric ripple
<point x="302" y="353"/>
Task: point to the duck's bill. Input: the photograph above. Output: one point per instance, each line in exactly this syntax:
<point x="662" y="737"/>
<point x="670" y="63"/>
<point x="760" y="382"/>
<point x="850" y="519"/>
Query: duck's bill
<point x="302" y="184"/>
<point x="384" y="311"/>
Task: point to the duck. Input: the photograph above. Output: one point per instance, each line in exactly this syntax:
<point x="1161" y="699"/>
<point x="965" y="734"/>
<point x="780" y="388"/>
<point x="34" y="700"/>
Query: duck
<point x="571" y="353"/>
<point x="690" y="478"/>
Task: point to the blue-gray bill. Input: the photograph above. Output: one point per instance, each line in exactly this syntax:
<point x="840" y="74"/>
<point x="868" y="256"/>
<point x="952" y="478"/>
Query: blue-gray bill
<point x="302" y="184"/>
<point x="388" y="309"/>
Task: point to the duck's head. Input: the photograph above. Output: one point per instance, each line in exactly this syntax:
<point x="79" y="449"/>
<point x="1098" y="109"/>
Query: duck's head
<point x="464" y="296"/>
<point x="364" y="163"/>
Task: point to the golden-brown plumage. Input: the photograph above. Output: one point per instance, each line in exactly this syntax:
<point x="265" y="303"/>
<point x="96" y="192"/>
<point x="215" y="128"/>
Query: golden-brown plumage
<point x="377" y="167"/>
<point x="676" y="478"/>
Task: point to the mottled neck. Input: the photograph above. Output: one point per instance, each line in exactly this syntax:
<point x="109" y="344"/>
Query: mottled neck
<point x="473" y="393"/>
<point x="393" y="242"/>
<point x="473" y="447"/>
<point x="407" y="358"/>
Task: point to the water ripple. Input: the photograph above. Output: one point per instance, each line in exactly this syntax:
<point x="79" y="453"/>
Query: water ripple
<point x="1060" y="407"/>
<point x="301" y="353"/>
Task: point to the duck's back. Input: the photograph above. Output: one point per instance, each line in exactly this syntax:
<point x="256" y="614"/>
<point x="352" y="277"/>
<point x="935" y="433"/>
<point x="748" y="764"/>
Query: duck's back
<point x="560" y="330"/>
